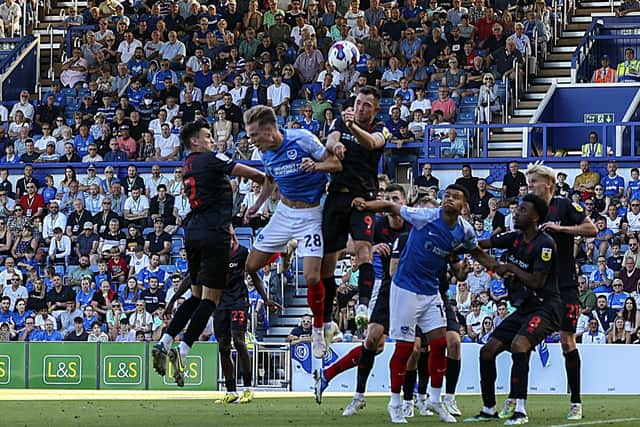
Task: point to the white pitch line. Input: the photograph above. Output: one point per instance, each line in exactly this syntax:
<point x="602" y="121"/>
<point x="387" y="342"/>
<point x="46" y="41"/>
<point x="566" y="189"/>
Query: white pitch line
<point x="596" y="422"/>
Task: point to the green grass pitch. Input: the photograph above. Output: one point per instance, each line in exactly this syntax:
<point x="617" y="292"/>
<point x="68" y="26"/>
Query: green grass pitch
<point x="304" y="412"/>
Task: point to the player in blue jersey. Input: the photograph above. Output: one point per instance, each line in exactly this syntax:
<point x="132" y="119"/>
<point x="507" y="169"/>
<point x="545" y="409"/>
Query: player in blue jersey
<point x="415" y="298"/>
<point x="297" y="163"/>
<point x="613" y="183"/>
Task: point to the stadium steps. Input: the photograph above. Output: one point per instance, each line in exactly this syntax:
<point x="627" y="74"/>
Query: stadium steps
<point x="505" y="142"/>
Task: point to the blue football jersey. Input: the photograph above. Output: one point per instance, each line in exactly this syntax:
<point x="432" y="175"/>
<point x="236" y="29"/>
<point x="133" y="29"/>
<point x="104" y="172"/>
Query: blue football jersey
<point x="430" y="241"/>
<point x="284" y="166"/>
<point x="634" y="189"/>
<point x="612" y="185"/>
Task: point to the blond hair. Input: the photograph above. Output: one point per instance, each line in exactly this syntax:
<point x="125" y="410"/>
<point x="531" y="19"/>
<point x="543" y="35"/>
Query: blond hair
<point x="261" y="114"/>
<point x="542" y="170"/>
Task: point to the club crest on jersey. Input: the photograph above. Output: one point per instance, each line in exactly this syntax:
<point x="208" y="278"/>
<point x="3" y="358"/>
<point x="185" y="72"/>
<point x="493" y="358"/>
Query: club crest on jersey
<point x="577" y="207"/>
<point x="546" y="254"/>
<point x="292" y="154"/>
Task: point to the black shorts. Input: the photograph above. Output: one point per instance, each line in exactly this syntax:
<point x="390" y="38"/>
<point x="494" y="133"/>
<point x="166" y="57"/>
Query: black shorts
<point x="339" y="219"/>
<point x="452" y="319"/>
<point x="424" y="342"/>
<point x="208" y="265"/>
<point x="225" y="321"/>
<point x="379" y="304"/>
<point x="535" y="325"/>
<point x="570" y="309"/>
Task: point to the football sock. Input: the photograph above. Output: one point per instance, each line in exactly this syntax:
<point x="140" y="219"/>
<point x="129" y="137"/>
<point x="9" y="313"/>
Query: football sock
<point x="452" y="375"/>
<point x="488" y="376"/>
<point x="365" y="365"/>
<point x="395" y="399"/>
<point x="409" y="384"/>
<point x="437" y="361"/>
<point x="198" y="321"/>
<point x="366" y="277"/>
<point x="329" y="295"/>
<point x="398" y="365"/>
<point x="423" y="373"/>
<point x="346" y="362"/>
<point x="315" y="299"/>
<point x="519" y="375"/>
<point x="184" y="349"/>
<point x="166" y="341"/>
<point x="572" y="365"/>
<point x="521" y="405"/>
<point x="230" y="384"/>
<point x="181" y="317"/>
<point x="434" y="393"/>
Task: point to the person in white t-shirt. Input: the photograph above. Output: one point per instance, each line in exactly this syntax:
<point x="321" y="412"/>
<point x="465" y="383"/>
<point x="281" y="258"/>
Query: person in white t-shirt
<point x="167" y="144"/>
<point x="278" y="96"/>
<point x="136" y="208"/>
<point x="139" y="260"/>
<point x="140" y="320"/>
<point x="421" y="102"/>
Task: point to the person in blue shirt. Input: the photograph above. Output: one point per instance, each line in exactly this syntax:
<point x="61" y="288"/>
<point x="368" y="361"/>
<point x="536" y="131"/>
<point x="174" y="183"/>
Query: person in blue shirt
<point x="437" y="236"/>
<point x="48" y="334"/>
<point x="394" y="123"/>
<point x="5" y="311"/>
<point x="613" y="183"/>
<point x="135" y="92"/>
<point x="633" y="187"/>
<point x="20" y="314"/>
<point x="616" y="299"/>
<point x="297" y="163"/>
<point x="405" y="92"/>
<point x="85" y="296"/>
<point x="82" y="140"/>
<point x="181" y="264"/>
<point x="308" y="122"/>
<point x="138" y="65"/>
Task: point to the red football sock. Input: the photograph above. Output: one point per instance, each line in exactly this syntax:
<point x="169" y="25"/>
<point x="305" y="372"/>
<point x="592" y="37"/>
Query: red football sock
<point x="345" y="363"/>
<point x="315" y="299"/>
<point x="398" y="364"/>
<point x="437" y="361"/>
<point x="274" y="257"/>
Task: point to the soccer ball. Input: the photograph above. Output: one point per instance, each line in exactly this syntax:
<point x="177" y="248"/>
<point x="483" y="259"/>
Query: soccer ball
<point x="342" y="54"/>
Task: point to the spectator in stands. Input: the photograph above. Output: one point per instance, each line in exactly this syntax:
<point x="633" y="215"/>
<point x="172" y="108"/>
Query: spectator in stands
<point x="602" y="275"/>
<point x="445" y="104"/>
<point x="75" y="69"/>
<point x="78" y="333"/>
<point x="67" y="317"/>
<point x="616" y="299"/>
<point x="594" y="335"/>
<point x="504" y="60"/>
<point x="301" y="333"/>
<point x="604" y="74"/>
<point x="136" y="208"/>
<point x="97" y="334"/>
<point x="11" y="14"/>
<point x="628" y="6"/>
<point x="512" y="181"/>
<point x="158" y="241"/>
<point x="28" y="110"/>
<point x="630" y="222"/>
<point x="488" y="100"/>
<point x="59" y="248"/>
<point x="586" y="181"/>
<point x="457" y="147"/>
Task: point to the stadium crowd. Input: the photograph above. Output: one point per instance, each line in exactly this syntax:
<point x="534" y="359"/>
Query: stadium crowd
<point x="98" y="256"/>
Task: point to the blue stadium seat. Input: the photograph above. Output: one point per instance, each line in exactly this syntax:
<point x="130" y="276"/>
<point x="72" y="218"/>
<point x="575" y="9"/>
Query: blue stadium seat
<point x="168" y="268"/>
<point x="504" y="211"/>
<point x="244" y="231"/>
<point x="433" y="86"/>
<point x="69" y="92"/>
<point x="466" y="117"/>
<point x="176" y="245"/>
<point x="470" y="100"/>
<point x="245" y="241"/>
<point x="588" y="268"/>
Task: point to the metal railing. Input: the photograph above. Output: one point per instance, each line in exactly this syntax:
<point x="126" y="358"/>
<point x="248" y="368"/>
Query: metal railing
<point x="20" y="64"/>
<point x="624" y="135"/>
<point x="270" y="365"/>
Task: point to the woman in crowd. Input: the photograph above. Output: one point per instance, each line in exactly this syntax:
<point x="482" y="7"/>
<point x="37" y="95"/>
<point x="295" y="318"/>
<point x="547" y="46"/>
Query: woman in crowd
<point x="463" y="298"/>
<point x="618" y="334"/>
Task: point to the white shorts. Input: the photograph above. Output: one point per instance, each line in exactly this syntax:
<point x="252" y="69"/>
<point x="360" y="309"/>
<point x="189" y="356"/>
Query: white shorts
<point x="409" y="309"/>
<point x="304" y="225"/>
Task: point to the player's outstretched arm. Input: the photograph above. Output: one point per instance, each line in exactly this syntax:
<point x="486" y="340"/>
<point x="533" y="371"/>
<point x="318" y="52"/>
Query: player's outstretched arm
<point x="329" y="164"/>
<point x="483" y="258"/>
<point x="335" y="146"/>
<point x="460" y="268"/>
<point x="376" y="206"/>
<point x="248" y="172"/>
<point x="535" y="280"/>
<point x="368" y="141"/>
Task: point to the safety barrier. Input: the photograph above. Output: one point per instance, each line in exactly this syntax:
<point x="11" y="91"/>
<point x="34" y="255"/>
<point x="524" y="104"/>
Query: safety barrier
<point x="270" y="364"/>
<point x="89" y="366"/>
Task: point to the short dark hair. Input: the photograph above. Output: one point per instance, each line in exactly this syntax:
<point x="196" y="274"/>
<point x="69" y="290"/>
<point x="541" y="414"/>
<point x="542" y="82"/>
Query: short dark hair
<point x="460" y="188"/>
<point x="370" y="90"/>
<point x="190" y="130"/>
<point x="78" y="319"/>
<point x="539" y="205"/>
<point x="395" y="187"/>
